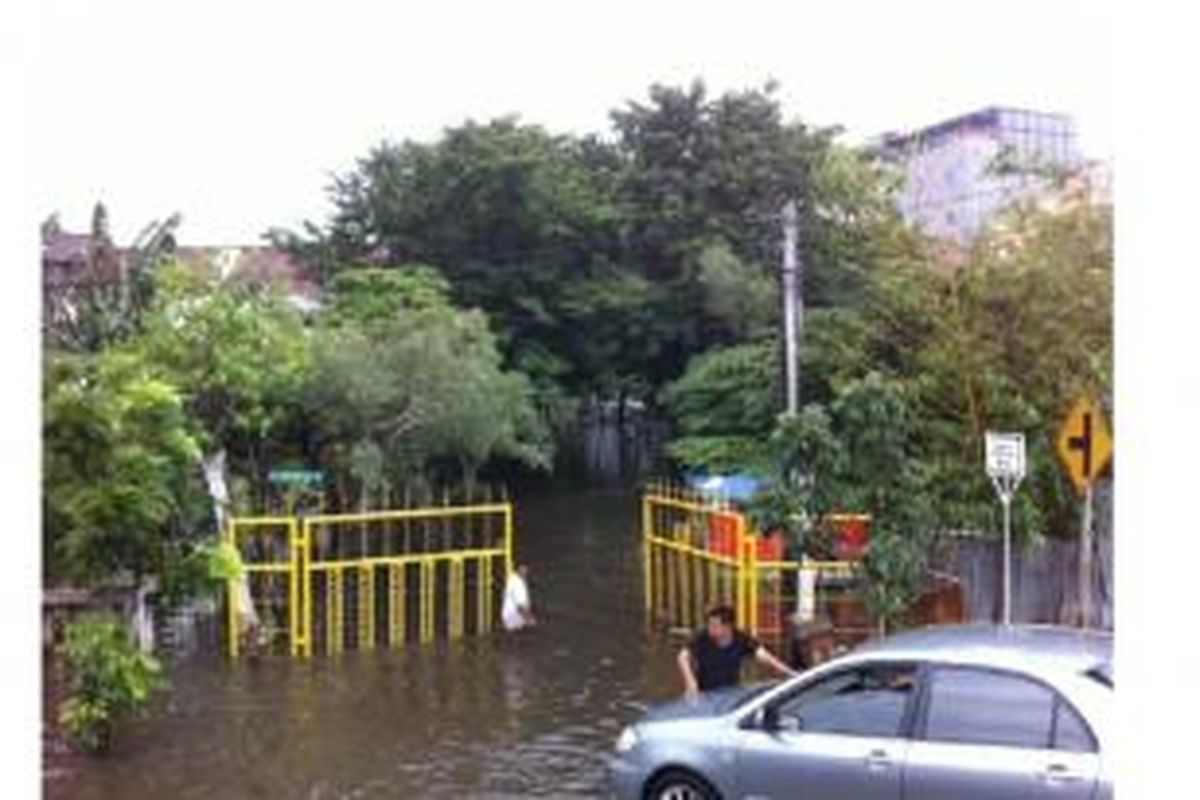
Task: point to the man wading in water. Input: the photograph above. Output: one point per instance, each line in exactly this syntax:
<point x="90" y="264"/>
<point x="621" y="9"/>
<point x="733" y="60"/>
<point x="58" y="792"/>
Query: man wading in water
<point x="713" y="658"/>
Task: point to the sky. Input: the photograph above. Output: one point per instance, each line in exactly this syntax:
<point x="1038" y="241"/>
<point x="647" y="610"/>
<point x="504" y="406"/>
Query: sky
<point x="236" y="113"/>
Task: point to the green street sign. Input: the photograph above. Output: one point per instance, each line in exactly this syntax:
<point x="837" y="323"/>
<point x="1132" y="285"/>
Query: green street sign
<point x="302" y="478"/>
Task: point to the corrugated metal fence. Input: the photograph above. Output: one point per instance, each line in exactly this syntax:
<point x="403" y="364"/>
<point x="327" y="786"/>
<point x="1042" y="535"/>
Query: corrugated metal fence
<point x="1045" y="575"/>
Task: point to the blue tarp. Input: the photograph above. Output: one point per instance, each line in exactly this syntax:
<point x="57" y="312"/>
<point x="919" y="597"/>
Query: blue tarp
<point x="740" y="488"/>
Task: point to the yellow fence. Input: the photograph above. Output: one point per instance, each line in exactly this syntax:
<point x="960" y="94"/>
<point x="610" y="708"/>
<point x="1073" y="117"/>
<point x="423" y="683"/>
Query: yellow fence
<point x="361" y="581"/>
<point x="699" y="550"/>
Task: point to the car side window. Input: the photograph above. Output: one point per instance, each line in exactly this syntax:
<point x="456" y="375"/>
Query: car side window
<point x="1070" y="731"/>
<point x="974" y="706"/>
<point x="861" y="701"/>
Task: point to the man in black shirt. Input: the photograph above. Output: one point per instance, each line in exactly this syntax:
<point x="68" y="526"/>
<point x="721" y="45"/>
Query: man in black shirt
<point x="713" y="658"/>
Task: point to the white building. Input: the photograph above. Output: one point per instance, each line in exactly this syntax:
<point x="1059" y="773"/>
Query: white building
<point x="960" y="172"/>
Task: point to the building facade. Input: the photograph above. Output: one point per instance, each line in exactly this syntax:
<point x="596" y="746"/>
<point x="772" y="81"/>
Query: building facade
<point x="960" y="172"/>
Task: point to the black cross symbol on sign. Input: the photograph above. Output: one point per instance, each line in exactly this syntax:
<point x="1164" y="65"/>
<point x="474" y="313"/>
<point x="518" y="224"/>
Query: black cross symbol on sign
<point x="1083" y="443"/>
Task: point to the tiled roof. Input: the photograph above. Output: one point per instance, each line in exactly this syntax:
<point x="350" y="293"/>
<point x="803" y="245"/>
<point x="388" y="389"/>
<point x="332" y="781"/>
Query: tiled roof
<point x="66" y="247"/>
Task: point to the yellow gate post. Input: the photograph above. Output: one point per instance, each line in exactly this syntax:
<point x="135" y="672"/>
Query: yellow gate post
<point x="751" y="567"/>
<point x="739" y="571"/>
<point x="397" y="618"/>
<point x="295" y="576"/>
<point x="488" y="564"/>
<point x="306" y="605"/>
<point x="454" y="622"/>
<point x="428" y="576"/>
<point x="647" y="533"/>
<point x="366" y="607"/>
<point x="508" y="540"/>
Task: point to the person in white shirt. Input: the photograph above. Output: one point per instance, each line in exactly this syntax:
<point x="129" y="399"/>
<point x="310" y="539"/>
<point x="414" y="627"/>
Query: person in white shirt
<point x="517" y="613"/>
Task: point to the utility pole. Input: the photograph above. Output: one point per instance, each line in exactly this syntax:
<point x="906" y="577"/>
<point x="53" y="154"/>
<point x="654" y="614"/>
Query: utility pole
<point x="793" y="307"/>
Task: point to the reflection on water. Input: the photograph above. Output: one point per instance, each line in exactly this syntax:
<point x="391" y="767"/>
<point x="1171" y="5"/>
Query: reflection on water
<point x="504" y="716"/>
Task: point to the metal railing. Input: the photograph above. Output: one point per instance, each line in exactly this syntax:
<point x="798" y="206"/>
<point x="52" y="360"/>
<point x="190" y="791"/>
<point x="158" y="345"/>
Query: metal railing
<point x="699" y="550"/>
<point x="372" y="579"/>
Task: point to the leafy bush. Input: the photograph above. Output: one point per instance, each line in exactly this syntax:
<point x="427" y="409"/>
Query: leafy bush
<point x="110" y="679"/>
<point x="857" y="455"/>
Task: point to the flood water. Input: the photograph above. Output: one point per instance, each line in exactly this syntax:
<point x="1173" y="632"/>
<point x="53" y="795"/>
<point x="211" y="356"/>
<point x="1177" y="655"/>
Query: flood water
<point x="499" y="716"/>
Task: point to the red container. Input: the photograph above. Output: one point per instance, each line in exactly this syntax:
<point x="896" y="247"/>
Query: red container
<point x="722" y="534"/>
<point x="853" y="535"/>
<point x="770" y="548"/>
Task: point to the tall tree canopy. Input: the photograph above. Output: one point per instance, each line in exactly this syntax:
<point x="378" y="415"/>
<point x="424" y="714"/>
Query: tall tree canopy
<point x="606" y="265"/>
<point x="406" y="387"/>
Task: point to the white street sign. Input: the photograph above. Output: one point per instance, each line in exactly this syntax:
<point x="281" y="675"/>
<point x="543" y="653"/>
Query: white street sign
<point x="1006" y="455"/>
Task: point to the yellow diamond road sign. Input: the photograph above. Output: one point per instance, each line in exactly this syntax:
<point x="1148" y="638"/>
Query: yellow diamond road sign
<point x="1084" y="443"/>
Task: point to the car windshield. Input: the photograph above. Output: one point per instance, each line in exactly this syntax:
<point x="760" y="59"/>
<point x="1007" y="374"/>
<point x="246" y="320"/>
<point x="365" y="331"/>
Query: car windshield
<point x="742" y="698"/>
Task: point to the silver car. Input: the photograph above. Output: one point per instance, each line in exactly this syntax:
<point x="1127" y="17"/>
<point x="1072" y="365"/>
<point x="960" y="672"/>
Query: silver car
<point x="980" y="712"/>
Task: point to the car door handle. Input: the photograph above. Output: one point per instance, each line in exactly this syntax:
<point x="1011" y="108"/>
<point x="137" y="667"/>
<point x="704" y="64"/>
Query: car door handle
<point x="1059" y="773"/>
<point x="878" y="759"/>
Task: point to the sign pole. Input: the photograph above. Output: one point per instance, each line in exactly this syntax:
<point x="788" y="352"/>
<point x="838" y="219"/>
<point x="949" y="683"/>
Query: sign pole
<point x="1004" y="458"/>
<point x="1085" y="560"/>
<point x="1006" y="501"/>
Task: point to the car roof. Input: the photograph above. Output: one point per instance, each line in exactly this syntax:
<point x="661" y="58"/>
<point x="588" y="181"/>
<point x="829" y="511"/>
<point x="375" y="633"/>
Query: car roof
<point x="1038" y="647"/>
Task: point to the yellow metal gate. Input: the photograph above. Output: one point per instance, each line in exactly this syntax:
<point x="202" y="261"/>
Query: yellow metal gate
<point x="684" y="572"/>
<point x="698" y="551"/>
<point x="381" y="578"/>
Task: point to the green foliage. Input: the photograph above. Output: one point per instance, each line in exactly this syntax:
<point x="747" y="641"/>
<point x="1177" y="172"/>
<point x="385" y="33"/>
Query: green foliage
<point x="743" y="298"/>
<point x="237" y="354"/>
<point x="370" y="294"/>
<point x="1004" y="344"/>
<point x="119" y="465"/>
<point x="197" y="569"/>
<point x="614" y="331"/>
<point x="511" y="214"/>
<point x="605" y="267"/>
<point x="806" y="462"/>
<point x="724" y="407"/>
<point x="883" y="477"/>
<point x="110" y="679"/>
<point x="858" y="455"/>
<point x="406" y="394"/>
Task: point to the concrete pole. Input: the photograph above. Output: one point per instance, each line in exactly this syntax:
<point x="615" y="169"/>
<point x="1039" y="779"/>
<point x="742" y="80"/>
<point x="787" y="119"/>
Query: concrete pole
<point x="793" y="308"/>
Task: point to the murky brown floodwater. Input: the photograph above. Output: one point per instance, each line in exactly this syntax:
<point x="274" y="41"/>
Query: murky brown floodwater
<point x="533" y="715"/>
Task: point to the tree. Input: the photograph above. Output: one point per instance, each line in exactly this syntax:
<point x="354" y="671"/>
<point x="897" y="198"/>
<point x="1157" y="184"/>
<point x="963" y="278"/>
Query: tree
<point x="724" y="407"/>
<point x="613" y="332"/>
<point x="238" y="356"/>
<point x="703" y="185"/>
<point x="120" y="467"/>
<point x="664" y="239"/>
<point x="510" y="214"/>
<point x="1005" y="343"/>
<point x="404" y="384"/>
<point x="858" y="455"/>
<point x="741" y="297"/>
<point x="364" y="296"/>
